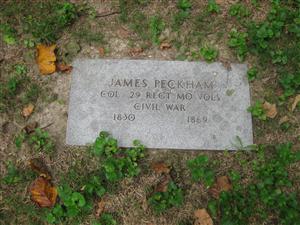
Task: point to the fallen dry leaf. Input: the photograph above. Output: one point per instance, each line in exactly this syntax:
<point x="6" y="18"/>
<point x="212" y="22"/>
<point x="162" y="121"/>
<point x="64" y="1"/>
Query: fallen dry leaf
<point x="46" y="59"/>
<point x="101" y="51"/>
<point x="160" y="168"/>
<point x="283" y="120"/>
<point x="64" y="68"/>
<point x="271" y="109"/>
<point x="202" y="217"/>
<point x="296" y="101"/>
<point x="162" y="186"/>
<point x="164" y="46"/>
<point x="27" y="110"/>
<point x="100" y="208"/>
<point x="43" y="192"/>
<point x="39" y="166"/>
<point x="222" y="184"/>
<point x="135" y="51"/>
<point x="29" y="128"/>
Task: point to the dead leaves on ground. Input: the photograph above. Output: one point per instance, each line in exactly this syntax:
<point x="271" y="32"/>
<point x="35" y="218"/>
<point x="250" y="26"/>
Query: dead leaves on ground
<point x="163" y="170"/>
<point x="100" y="208"/>
<point x="30" y="128"/>
<point x="46" y="59"/>
<point x="271" y="109"/>
<point x="39" y="166"/>
<point x="202" y="217"/>
<point x="101" y="51"/>
<point x="295" y="103"/>
<point x="160" y="168"/>
<point x="61" y="67"/>
<point x="43" y="193"/>
<point x="163" y="184"/>
<point x="222" y="184"/>
<point x="165" y="46"/>
<point x="27" y="110"/>
<point x="133" y="52"/>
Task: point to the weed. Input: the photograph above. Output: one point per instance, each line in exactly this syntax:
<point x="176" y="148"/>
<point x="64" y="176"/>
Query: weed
<point x="201" y="170"/>
<point x="43" y="20"/>
<point x="71" y="204"/>
<point x="13" y="176"/>
<point x="237" y="40"/>
<point x="29" y="43"/>
<point x="31" y="94"/>
<point x="258" y="111"/>
<point x="47" y="29"/>
<point x="8" y="34"/>
<point x="94" y="186"/>
<point x="267" y="195"/>
<point x="19" y="139"/>
<point x="209" y="53"/>
<point x="86" y="35"/>
<point x="41" y="141"/>
<point x="140" y="25"/>
<point x="278" y="57"/>
<point x="161" y="201"/>
<point x="290" y="84"/>
<point x="252" y="73"/>
<point x="116" y="163"/>
<point x="123" y="10"/>
<point x="11" y="90"/>
<point x="213" y="7"/>
<point x="239" y="10"/>
<point x="184" y="7"/>
<point x="156" y="27"/>
<point x="105" y="219"/>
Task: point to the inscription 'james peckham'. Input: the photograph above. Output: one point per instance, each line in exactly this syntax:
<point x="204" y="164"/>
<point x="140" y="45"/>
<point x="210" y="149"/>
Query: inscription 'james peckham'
<point x="165" y="104"/>
<point x="171" y="84"/>
<point x="182" y="85"/>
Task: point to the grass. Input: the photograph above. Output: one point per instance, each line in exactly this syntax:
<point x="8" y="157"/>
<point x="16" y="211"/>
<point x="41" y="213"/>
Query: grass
<point x="18" y="90"/>
<point x="265" y="178"/>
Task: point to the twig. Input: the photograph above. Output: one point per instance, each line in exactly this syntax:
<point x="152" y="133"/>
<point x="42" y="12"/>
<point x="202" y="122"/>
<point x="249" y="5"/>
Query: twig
<point x="47" y="125"/>
<point x="107" y="14"/>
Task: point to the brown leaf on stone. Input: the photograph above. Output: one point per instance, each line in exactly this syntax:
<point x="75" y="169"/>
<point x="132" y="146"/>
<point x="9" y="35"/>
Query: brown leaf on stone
<point x="162" y="186"/>
<point x="160" y="168"/>
<point x="296" y="101"/>
<point x="29" y="128"/>
<point x="101" y="51"/>
<point x="270" y="109"/>
<point x="164" y="46"/>
<point x="43" y="193"/>
<point x="222" y="184"/>
<point x="27" y="110"/>
<point x="38" y="165"/>
<point x="100" y="208"/>
<point x="202" y="217"/>
<point x="63" y="68"/>
<point x="46" y="59"/>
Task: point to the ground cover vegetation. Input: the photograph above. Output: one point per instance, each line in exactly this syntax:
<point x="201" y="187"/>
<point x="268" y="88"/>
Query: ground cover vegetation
<point x="45" y="182"/>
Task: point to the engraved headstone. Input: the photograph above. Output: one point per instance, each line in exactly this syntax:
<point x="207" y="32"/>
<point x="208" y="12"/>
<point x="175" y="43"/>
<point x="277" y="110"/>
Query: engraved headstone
<point x="164" y="104"/>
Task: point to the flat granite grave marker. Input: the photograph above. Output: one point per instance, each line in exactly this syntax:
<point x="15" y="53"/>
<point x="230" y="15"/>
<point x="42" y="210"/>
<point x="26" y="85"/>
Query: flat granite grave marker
<point x="164" y="104"/>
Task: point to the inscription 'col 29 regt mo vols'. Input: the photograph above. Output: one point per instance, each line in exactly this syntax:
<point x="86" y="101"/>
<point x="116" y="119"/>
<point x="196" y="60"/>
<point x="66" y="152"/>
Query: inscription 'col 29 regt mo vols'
<point x="165" y="104"/>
